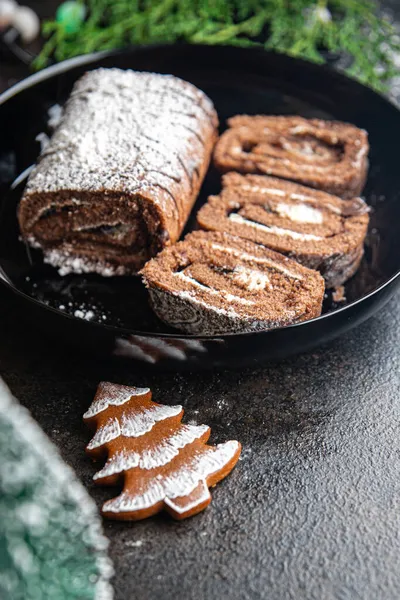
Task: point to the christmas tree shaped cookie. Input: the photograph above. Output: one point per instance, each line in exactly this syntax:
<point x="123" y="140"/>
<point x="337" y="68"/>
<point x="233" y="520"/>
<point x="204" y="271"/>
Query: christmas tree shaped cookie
<point x="163" y="463"/>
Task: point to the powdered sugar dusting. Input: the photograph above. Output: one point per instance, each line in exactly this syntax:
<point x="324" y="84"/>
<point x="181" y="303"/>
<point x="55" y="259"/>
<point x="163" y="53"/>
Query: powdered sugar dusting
<point x="55" y="113"/>
<point x="155" y="118"/>
<point x="126" y="133"/>
<point x="68" y="263"/>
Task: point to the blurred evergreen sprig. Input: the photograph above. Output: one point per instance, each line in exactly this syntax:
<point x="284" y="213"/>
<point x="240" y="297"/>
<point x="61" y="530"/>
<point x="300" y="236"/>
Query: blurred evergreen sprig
<point x="303" y="28"/>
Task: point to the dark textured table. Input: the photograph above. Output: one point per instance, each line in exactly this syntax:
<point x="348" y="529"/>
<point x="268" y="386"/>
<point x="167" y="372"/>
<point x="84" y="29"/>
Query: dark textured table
<point x="312" y="509"/>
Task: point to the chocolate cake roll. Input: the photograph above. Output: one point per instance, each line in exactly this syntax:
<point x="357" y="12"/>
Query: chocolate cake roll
<point x="326" y="155"/>
<point x="214" y="283"/>
<point x="121" y="172"/>
<point x="318" y="230"/>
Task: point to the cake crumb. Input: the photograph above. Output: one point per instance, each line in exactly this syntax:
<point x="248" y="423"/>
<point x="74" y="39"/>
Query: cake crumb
<point x="338" y="294"/>
<point x="134" y="544"/>
<point x="80" y="314"/>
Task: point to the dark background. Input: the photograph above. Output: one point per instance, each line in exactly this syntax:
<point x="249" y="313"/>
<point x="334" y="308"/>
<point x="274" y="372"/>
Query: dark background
<point x="311" y="511"/>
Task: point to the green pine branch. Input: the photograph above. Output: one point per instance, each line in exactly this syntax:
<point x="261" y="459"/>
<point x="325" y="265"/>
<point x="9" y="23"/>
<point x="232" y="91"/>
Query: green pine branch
<point x="303" y="28"/>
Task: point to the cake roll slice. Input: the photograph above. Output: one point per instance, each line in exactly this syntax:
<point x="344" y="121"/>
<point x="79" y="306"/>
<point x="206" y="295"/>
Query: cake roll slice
<point x="119" y="177"/>
<point x="319" y="230"/>
<point x="326" y="155"/>
<point x="215" y="283"/>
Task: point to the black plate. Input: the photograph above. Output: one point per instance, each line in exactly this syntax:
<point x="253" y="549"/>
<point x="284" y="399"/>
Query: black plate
<point x="238" y="81"/>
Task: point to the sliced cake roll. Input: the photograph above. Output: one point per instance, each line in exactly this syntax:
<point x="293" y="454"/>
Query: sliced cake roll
<point x="319" y="230"/>
<point x="326" y="155"/>
<point x="214" y="283"/>
<point x="119" y="177"/>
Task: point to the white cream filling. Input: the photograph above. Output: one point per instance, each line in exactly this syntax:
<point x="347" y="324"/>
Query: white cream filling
<point x="301" y="213"/>
<point x="295" y="196"/>
<point x="229" y="297"/>
<point x="228" y="312"/>
<point x="262" y="190"/>
<point x="256" y="259"/>
<point x="305" y="237"/>
<point x="251" y="278"/>
<point x="304" y="198"/>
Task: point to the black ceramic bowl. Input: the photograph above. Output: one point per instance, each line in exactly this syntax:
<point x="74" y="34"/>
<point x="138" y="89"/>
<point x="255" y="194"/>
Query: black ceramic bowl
<point x="112" y="316"/>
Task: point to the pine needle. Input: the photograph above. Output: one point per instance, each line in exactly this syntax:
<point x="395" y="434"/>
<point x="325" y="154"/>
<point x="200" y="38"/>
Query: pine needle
<point x="303" y="28"/>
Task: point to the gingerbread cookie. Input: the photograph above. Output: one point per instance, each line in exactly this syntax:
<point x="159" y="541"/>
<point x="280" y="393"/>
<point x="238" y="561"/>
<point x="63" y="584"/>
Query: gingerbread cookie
<point x="163" y="463"/>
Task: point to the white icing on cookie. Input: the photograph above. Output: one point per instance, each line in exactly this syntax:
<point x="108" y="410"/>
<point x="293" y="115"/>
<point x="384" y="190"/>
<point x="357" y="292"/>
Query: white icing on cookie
<point x="273" y="229"/>
<point x="118" y="463"/>
<point x="109" y="431"/>
<point x="176" y="484"/>
<point x="156" y="456"/>
<point x="301" y="213"/>
<point x="200" y="495"/>
<point x="113" y="395"/>
<point x="133" y="424"/>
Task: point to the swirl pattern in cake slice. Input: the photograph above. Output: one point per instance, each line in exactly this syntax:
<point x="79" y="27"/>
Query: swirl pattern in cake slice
<point x="326" y="155"/>
<point x="319" y="230"/>
<point x="119" y="176"/>
<point x="214" y="283"/>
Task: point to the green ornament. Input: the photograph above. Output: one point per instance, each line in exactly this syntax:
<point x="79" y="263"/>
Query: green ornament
<point x="71" y="15"/>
